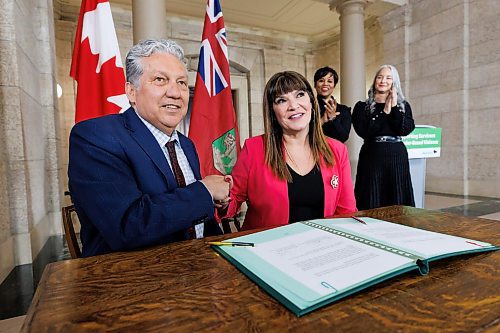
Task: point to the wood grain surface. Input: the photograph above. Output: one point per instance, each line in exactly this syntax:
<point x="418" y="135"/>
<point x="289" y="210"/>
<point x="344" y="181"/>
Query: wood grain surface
<point x="187" y="287"/>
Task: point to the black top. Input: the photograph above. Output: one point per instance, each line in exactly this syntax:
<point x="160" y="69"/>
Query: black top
<point x="306" y="196"/>
<point x="383" y="171"/>
<point x="369" y="125"/>
<point x="339" y="127"/>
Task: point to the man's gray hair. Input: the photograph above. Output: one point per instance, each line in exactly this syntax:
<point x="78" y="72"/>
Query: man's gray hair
<point x="146" y="48"/>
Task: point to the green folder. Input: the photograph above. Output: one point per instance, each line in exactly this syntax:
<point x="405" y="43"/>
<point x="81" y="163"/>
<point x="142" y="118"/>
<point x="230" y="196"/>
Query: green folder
<point x="307" y="265"/>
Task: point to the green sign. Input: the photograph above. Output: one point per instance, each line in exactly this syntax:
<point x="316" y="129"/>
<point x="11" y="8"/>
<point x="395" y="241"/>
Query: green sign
<point x="423" y="142"/>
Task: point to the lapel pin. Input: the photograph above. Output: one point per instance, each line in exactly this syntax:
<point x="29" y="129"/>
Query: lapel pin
<point x="335" y="181"/>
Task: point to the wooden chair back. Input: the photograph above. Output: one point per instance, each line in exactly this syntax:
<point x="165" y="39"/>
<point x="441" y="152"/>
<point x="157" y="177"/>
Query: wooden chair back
<point x="67" y="215"/>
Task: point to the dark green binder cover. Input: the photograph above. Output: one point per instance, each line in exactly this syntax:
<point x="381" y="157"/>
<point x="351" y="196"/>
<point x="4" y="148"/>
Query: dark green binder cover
<point x="310" y="264"/>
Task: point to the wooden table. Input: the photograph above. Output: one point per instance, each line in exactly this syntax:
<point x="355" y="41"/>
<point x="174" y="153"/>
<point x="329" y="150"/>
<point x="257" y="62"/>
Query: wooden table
<point x="187" y="287"/>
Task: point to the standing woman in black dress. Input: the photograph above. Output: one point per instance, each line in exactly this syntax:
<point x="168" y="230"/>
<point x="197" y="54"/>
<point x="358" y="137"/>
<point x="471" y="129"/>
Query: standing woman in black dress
<point x="335" y="117"/>
<point x="383" y="174"/>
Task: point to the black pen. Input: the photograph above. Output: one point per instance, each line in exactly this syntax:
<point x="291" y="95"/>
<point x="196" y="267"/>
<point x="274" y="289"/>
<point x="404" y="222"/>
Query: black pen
<point x="358" y="219"/>
<point x="224" y="243"/>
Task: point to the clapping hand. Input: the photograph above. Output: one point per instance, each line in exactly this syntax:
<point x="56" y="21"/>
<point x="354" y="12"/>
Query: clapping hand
<point x="330" y="110"/>
<point x="391" y="101"/>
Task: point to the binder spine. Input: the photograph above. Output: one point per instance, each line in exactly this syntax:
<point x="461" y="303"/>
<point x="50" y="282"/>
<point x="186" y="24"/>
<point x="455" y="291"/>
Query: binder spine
<point x="363" y="240"/>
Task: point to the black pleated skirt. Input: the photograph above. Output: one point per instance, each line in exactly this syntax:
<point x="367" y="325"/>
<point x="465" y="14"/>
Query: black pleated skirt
<point x="383" y="176"/>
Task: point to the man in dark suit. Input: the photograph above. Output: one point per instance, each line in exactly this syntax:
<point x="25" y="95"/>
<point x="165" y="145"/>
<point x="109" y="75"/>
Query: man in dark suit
<point x="135" y="181"/>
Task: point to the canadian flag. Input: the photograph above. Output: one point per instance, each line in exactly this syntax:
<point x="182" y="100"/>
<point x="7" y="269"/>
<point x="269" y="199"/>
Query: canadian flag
<point x="97" y="64"/>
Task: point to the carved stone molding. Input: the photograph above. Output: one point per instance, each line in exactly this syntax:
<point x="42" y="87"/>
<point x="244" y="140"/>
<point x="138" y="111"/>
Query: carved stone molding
<point x="349" y="6"/>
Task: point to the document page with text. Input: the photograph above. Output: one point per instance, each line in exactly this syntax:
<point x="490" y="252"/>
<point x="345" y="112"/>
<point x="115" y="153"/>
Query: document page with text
<point x="309" y="264"/>
<point x="325" y="262"/>
<point x="418" y="241"/>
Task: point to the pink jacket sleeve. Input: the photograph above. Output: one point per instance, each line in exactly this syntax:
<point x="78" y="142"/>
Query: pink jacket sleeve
<point x="346" y="202"/>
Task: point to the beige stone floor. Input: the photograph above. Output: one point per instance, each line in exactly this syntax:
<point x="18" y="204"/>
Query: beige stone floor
<point x="493" y="216"/>
<point x="11" y="325"/>
<point x="488" y="208"/>
<point x="435" y="202"/>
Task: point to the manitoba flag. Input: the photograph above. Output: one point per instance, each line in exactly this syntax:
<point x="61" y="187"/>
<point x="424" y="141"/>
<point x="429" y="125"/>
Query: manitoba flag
<point x="213" y="121"/>
<point x="97" y="65"/>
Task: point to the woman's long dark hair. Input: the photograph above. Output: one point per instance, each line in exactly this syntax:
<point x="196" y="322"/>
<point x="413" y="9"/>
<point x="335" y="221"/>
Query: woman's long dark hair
<point x="279" y="84"/>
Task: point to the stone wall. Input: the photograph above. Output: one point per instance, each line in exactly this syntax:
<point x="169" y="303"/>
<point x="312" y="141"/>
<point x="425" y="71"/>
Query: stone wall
<point x="29" y="170"/>
<point x="436" y="68"/>
<point x="483" y="85"/>
<point x="448" y="56"/>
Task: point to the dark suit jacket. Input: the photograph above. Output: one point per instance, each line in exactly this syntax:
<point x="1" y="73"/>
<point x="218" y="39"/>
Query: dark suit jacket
<point x="124" y="191"/>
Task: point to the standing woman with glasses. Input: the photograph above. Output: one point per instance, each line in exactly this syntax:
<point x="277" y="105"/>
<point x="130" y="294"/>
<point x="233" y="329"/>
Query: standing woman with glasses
<point x="383" y="174"/>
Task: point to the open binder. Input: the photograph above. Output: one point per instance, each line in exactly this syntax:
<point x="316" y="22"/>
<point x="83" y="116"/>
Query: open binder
<point x="306" y="265"/>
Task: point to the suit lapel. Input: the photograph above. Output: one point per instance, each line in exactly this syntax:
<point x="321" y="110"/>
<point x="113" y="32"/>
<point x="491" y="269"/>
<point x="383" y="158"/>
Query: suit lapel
<point x="141" y="134"/>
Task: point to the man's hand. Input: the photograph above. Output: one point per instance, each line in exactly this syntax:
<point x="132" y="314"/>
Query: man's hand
<point x="218" y="186"/>
<point x="222" y="204"/>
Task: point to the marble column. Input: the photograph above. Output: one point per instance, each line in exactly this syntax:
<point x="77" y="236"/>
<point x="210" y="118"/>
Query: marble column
<point x="352" y="62"/>
<point x="149" y="19"/>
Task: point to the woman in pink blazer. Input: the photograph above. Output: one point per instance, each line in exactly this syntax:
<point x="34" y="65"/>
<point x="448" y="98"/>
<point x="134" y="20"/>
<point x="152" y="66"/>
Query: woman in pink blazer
<point x="292" y="172"/>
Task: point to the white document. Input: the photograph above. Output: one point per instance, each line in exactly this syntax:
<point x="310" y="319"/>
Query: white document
<point x="426" y="243"/>
<point x="325" y="262"/>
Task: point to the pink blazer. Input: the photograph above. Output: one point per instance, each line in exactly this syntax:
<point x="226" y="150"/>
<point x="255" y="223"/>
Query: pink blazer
<point x="267" y="196"/>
